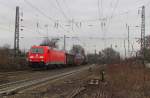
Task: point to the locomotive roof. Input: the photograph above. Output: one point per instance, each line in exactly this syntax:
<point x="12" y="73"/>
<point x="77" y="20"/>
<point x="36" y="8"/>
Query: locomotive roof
<point x="47" y="48"/>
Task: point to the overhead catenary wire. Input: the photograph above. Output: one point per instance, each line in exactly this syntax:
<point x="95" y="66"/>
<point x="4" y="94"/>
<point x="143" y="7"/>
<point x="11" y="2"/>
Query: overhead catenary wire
<point x="42" y="13"/>
<point x="107" y="17"/>
<point x="113" y="11"/>
<point x="70" y="20"/>
<point x="61" y="10"/>
<point x="90" y="38"/>
<point x="115" y="7"/>
<point x="38" y="10"/>
<point x="65" y="16"/>
<point x="99" y="15"/>
<point x="7" y="6"/>
<point x="6" y="29"/>
<point x="117" y="15"/>
<point x="102" y="8"/>
<point x="9" y="22"/>
<point x="68" y="8"/>
<point x="107" y="26"/>
<point x="67" y="19"/>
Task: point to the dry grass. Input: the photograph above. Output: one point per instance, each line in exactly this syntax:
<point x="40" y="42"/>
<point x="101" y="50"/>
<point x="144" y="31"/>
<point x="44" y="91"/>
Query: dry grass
<point x="129" y="80"/>
<point x="9" y="63"/>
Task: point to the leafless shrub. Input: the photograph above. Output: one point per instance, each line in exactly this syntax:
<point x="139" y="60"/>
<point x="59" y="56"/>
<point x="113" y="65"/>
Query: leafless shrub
<point x="127" y="81"/>
<point x="51" y="43"/>
<point x="9" y="62"/>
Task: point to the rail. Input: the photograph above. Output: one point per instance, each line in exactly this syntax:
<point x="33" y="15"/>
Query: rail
<point x="14" y="87"/>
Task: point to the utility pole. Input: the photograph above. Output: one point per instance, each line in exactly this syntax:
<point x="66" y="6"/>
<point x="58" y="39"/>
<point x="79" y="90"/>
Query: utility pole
<point x="64" y="42"/>
<point x="95" y="55"/>
<point x="72" y="25"/>
<point x="46" y="26"/>
<point x="143" y="45"/>
<point x="143" y="33"/>
<point x="125" y="48"/>
<point x="128" y="39"/>
<point x="16" y="37"/>
<point x="95" y="52"/>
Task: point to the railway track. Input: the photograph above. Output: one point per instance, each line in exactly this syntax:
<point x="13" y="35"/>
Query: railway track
<point x="75" y="92"/>
<point x="6" y="77"/>
<point x="14" y="87"/>
<point x="19" y="75"/>
<point x="11" y="73"/>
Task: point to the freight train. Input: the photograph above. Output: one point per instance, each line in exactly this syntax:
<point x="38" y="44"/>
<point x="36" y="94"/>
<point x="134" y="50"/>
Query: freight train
<point x="45" y="57"/>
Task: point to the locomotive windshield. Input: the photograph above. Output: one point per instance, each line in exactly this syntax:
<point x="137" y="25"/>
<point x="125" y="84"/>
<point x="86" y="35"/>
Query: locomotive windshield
<point x="37" y="50"/>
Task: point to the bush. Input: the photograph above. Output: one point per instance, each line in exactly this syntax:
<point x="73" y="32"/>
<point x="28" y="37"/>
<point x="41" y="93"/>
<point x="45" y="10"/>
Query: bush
<point x="9" y="63"/>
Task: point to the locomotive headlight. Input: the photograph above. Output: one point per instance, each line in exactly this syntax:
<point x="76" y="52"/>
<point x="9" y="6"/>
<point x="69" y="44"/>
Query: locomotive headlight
<point x="42" y="60"/>
<point x="31" y="57"/>
<point x="41" y="57"/>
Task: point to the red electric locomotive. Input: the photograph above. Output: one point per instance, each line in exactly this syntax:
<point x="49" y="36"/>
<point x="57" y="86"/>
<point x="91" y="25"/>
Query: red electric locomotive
<point x="44" y="56"/>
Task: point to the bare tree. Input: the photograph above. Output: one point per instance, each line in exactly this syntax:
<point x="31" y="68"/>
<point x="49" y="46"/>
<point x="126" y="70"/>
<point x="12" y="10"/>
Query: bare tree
<point x="5" y="50"/>
<point x="51" y="43"/>
<point x="6" y="46"/>
<point x="110" y="55"/>
<point x="105" y="56"/>
<point x="77" y="49"/>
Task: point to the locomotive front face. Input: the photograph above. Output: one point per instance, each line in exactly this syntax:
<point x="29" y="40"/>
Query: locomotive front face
<point x="36" y="54"/>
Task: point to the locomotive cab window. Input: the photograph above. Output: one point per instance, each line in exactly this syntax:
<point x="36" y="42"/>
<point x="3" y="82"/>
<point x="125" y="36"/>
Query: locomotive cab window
<point x="37" y="50"/>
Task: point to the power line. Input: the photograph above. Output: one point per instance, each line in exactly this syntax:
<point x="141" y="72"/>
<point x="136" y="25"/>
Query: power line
<point x="38" y="10"/>
<point x="99" y="9"/>
<point x="8" y="6"/>
<point x="102" y="7"/>
<point x="114" y="9"/>
<point x="147" y="4"/>
<point x="6" y="29"/>
<point x="65" y="16"/>
<point x="64" y="1"/>
<point x="41" y="12"/>
<point x="119" y="14"/>
<point x="61" y="10"/>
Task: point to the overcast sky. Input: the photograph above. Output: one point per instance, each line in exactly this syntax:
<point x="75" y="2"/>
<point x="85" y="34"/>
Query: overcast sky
<point x="76" y="18"/>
